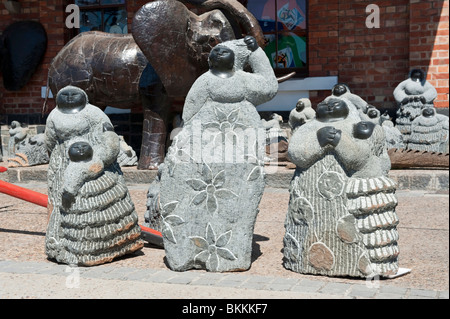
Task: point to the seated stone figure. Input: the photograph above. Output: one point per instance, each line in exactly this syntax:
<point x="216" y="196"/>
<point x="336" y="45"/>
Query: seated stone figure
<point x="429" y="132"/>
<point x="88" y="198"/>
<point x="341" y="90"/>
<point x="302" y="113"/>
<point x="412" y="95"/>
<point x="341" y="219"/>
<point x="212" y="178"/>
<point x="394" y="139"/>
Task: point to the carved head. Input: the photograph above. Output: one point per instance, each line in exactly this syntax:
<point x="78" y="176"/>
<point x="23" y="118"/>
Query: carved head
<point x="332" y="110"/>
<point x="71" y="99"/>
<point x="340" y="89"/>
<point x="80" y="152"/>
<point x="428" y="112"/>
<point x="417" y="75"/>
<point x="221" y="59"/>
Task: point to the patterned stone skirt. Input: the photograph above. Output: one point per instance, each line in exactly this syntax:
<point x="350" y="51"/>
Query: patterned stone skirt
<point x="340" y="226"/>
<point x="372" y="202"/>
<point x="102" y="224"/>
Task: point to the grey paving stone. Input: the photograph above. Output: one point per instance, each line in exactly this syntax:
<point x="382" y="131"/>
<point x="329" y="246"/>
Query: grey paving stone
<point x="308" y="286"/>
<point x="422" y="293"/>
<point x="386" y="295"/>
<point x="363" y="291"/>
<point x="443" y="295"/>
<point x="393" y="290"/>
<point x="335" y="288"/>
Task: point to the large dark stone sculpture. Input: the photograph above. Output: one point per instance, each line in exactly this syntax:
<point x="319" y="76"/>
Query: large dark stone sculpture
<point x="22" y="47"/>
<point x="167" y="51"/>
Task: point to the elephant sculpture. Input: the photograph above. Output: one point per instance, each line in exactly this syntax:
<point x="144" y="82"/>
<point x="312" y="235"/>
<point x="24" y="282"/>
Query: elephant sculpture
<point x="165" y="53"/>
<point x="22" y="47"/>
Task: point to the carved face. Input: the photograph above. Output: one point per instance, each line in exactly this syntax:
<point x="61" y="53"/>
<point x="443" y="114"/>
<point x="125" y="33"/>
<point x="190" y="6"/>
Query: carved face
<point x="339" y="89"/>
<point x="417" y="75"/>
<point x="332" y="110"/>
<point x="80" y="151"/>
<point x="71" y="100"/>
<point x="428" y="112"/>
<point x="221" y="58"/>
<point x="300" y="106"/>
<point x="372" y="113"/>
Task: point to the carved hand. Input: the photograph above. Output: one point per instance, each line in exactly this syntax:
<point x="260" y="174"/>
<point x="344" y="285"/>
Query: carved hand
<point x="328" y="135"/>
<point x="252" y="45"/>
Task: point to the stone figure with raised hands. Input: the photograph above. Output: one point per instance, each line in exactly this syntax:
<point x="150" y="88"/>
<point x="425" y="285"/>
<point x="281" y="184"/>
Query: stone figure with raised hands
<point x="212" y="178"/>
<point x="339" y="195"/>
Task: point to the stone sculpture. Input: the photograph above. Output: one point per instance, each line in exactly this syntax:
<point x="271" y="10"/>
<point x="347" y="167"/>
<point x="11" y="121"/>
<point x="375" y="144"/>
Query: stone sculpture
<point x="18" y="62"/>
<point x="17" y="133"/>
<point x="341" y="219"/>
<point x="127" y="156"/>
<point x="341" y="90"/>
<point x="276" y="139"/>
<point x="429" y="132"/>
<point x="92" y="218"/>
<point x="29" y="152"/>
<point x="394" y="138"/>
<point x="412" y="95"/>
<point x="167" y="50"/>
<point x="212" y="179"/>
<point x="302" y="113"/>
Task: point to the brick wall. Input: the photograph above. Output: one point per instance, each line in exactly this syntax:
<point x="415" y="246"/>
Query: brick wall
<point x="429" y="44"/>
<point x="372" y="62"/>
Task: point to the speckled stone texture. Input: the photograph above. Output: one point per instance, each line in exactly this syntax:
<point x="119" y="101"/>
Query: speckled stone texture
<point x="213" y="177"/>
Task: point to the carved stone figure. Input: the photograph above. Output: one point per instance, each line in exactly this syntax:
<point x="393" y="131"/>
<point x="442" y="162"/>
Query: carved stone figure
<point x="212" y="179"/>
<point x="29" y="152"/>
<point x="341" y="219"/>
<point x="394" y="138"/>
<point x="276" y="139"/>
<point x="17" y="133"/>
<point x="302" y="113"/>
<point x="412" y="95"/>
<point x="92" y="218"/>
<point x="167" y="50"/>
<point x="341" y="90"/>
<point x="127" y="156"/>
<point x="429" y="132"/>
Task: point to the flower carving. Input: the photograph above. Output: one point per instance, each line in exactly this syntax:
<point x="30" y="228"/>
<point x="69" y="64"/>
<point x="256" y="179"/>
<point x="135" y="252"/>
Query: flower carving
<point x="212" y="248"/>
<point x="225" y="124"/>
<point x="210" y="188"/>
<point x="258" y="170"/>
<point x="169" y="220"/>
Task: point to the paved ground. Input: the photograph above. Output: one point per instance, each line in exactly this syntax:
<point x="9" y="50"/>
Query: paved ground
<point x="26" y="273"/>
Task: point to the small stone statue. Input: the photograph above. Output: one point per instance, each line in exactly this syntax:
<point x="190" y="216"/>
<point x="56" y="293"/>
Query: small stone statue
<point x="92" y="218"/>
<point x="17" y="133"/>
<point x="394" y="138"/>
<point x="302" y="113"/>
<point x="30" y="151"/>
<point x="412" y="95"/>
<point x="341" y="90"/>
<point x="341" y="219"/>
<point x="429" y="132"/>
<point x="212" y="178"/>
<point x="276" y="139"/>
<point x="127" y="156"/>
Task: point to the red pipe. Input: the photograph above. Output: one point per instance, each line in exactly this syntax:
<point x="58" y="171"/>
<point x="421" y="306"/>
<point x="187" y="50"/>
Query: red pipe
<point x="23" y="193"/>
<point x="40" y="199"/>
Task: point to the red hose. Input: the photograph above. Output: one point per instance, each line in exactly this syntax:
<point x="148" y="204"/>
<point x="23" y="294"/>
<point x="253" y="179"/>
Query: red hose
<point x="40" y="199"/>
<point x="23" y="193"/>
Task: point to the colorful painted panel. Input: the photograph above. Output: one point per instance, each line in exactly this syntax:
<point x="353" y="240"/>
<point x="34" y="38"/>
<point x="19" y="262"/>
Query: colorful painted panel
<point x="291" y="50"/>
